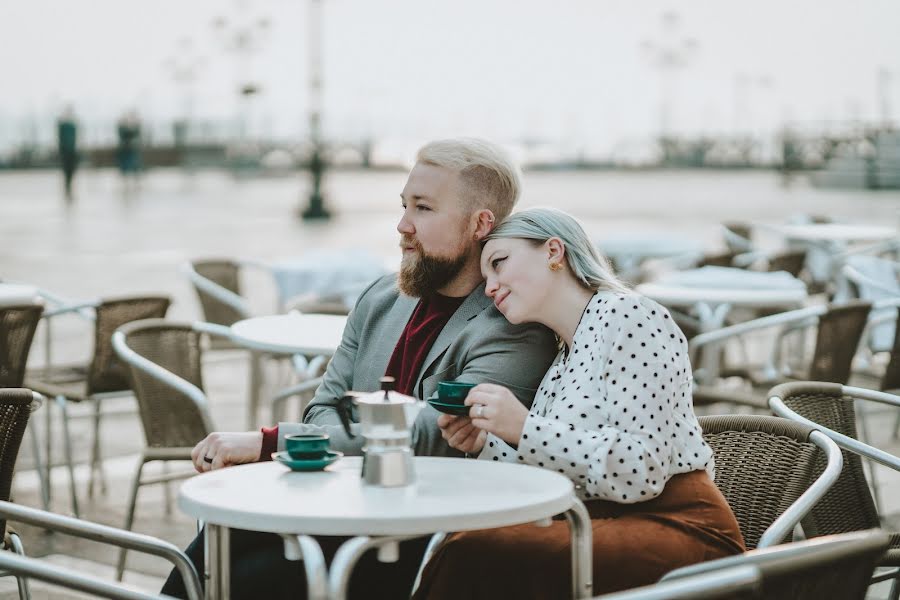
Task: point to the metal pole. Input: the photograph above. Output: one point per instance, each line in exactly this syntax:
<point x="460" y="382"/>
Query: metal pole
<point x="582" y="550"/>
<point x="316" y="207"/>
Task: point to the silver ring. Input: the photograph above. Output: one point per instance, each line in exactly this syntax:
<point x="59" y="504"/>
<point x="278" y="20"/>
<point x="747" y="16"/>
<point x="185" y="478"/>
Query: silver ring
<point x="207" y="459"/>
<point x="479" y="411"/>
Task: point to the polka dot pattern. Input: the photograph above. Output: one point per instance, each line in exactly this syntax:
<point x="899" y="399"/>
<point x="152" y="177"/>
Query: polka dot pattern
<point x="614" y="413"/>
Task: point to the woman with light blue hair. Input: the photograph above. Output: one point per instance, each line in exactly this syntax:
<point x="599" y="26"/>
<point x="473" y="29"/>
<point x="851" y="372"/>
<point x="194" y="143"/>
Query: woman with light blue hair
<point x="614" y="414"/>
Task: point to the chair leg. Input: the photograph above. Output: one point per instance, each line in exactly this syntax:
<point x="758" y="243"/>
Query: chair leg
<point x="96" y="459"/>
<point x="48" y="432"/>
<point x="255" y="382"/>
<point x="129" y="517"/>
<point x="38" y="467"/>
<point x="22" y="582"/>
<point x="167" y="488"/>
<point x="436" y="540"/>
<point x="61" y="401"/>
<point x="897" y="426"/>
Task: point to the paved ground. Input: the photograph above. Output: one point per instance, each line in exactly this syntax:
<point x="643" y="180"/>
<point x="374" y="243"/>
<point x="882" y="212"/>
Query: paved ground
<point x="110" y="242"/>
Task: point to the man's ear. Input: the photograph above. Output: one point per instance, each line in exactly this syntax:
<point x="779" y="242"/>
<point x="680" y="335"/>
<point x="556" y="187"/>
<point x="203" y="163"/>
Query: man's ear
<point x="556" y="250"/>
<point x="484" y="223"/>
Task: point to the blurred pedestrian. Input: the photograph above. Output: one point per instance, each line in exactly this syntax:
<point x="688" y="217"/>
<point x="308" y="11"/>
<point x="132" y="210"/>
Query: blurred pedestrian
<point x="128" y="152"/>
<point x="67" y="138"/>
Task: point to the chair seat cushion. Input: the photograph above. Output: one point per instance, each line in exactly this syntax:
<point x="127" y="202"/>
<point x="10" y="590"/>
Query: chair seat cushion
<point x="69" y="381"/>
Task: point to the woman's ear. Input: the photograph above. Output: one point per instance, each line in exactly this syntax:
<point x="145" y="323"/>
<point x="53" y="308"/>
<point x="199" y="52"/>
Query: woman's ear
<point x="484" y="223"/>
<point x="556" y="250"/>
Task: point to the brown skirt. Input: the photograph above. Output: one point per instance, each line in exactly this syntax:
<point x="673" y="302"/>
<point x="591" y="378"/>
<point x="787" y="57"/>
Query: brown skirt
<point x="634" y="545"/>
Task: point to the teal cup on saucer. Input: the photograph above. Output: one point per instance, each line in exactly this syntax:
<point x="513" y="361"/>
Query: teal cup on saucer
<point x="453" y="392"/>
<point x="306" y="446"/>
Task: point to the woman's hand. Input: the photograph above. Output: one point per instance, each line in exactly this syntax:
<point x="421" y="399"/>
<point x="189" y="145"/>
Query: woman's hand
<point x="496" y="410"/>
<point x="461" y="434"/>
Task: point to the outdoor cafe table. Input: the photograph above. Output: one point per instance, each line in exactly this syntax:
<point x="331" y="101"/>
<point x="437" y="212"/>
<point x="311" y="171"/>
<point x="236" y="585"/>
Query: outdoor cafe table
<point x="289" y="334"/>
<point x="293" y="333"/>
<point x="449" y="494"/>
<point x="837" y="233"/>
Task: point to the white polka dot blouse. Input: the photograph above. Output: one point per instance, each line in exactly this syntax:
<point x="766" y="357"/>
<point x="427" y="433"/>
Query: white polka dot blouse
<point x="614" y="413"/>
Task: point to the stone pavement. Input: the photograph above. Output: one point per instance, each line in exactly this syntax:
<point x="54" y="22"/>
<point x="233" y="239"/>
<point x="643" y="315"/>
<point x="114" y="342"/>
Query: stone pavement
<point x="111" y="242"/>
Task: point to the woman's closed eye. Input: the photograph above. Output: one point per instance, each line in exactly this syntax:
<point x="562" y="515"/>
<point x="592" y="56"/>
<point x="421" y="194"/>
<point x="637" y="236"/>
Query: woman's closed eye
<point x="496" y="262"/>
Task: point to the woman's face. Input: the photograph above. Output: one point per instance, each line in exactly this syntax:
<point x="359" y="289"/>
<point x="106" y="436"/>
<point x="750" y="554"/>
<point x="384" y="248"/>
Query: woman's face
<point x="518" y="277"/>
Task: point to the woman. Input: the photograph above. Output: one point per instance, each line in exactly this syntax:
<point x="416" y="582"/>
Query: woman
<point x="614" y="414"/>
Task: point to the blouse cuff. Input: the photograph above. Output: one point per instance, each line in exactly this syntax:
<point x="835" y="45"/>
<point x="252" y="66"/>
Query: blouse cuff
<point x="496" y="449"/>
<point x="541" y="441"/>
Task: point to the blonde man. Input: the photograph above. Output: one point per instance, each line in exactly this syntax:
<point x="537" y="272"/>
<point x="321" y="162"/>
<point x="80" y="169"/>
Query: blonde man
<point x="431" y="322"/>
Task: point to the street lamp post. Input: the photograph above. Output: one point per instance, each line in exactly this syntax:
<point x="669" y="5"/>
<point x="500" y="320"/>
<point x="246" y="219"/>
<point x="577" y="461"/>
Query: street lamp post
<point x="669" y="54"/>
<point x="315" y="209"/>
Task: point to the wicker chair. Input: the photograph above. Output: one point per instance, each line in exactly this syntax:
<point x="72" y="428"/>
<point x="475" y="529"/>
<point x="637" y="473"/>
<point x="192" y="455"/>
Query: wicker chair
<point x="16" y="406"/>
<point x="17" y="327"/>
<point x="834" y="567"/>
<point x="218" y="286"/>
<point x="165" y="362"/>
<point x="849" y="505"/>
<point x="765" y="469"/>
<point x="738" y="236"/>
<point x="78" y="580"/>
<point x="104" y="377"/>
<point x="839" y="329"/>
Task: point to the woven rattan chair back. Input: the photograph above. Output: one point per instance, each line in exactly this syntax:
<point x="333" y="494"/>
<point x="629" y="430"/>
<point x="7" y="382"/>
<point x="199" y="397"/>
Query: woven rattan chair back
<point x="224" y="273"/>
<point x="763" y="464"/>
<point x="717" y="260"/>
<point x="838" y="335"/>
<point x="791" y="261"/>
<point x="106" y="372"/>
<point x="17" y="327"/>
<point x="15" y="409"/>
<point x="891" y="378"/>
<point x="848" y="505"/>
<point x="170" y="418"/>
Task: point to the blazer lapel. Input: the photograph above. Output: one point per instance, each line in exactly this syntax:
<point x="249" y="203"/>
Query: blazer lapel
<point x="469" y="309"/>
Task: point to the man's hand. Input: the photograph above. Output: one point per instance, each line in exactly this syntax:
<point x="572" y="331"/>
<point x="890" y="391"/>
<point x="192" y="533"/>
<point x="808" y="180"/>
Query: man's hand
<point x="221" y="449"/>
<point x="461" y="434"/>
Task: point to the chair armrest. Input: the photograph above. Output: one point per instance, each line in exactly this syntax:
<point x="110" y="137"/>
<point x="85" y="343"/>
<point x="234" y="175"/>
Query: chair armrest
<point x="717" y="583"/>
<point x="97" y="533"/>
<point x="213" y="329"/>
<point x="857" y="277"/>
<point x="790" y="317"/>
<point x="845" y="442"/>
<point x="167" y="377"/>
<point x="215" y="290"/>
<point x="784" y="524"/>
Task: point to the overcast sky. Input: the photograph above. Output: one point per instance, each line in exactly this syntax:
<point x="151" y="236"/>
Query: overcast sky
<point x="560" y="69"/>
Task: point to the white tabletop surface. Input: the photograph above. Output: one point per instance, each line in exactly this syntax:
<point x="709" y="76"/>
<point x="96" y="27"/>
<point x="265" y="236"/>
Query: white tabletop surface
<point x="838" y="232"/>
<point x="677" y="295"/>
<point x="450" y="494"/>
<point x="647" y="246"/>
<point x="293" y="333"/>
<point x="17" y="293"/>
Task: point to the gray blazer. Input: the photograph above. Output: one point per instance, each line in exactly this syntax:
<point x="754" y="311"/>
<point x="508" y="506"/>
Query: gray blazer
<point x="476" y="345"/>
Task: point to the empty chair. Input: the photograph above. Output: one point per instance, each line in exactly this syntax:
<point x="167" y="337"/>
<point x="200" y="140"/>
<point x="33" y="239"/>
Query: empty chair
<point x="102" y="378"/>
<point x="16" y="406"/>
<point x="838" y="331"/>
<point x="849" y="505"/>
<point x="765" y="468"/>
<point x="77" y="580"/>
<point x="218" y="286"/>
<point x="164" y="358"/>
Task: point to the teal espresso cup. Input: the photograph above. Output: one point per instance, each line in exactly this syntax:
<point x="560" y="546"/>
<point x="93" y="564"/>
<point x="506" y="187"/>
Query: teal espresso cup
<point x="306" y="446"/>
<point x="453" y="392"/>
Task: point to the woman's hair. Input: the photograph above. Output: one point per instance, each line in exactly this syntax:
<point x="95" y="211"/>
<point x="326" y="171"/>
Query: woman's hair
<point x="541" y="224"/>
<point x="489" y="177"/>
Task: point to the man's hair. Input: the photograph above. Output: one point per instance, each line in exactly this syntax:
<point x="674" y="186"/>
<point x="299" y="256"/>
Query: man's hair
<point x="488" y="176"/>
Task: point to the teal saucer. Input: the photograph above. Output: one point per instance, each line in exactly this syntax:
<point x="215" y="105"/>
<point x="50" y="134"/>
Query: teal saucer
<point x="460" y="410"/>
<point x="306" y="464"/>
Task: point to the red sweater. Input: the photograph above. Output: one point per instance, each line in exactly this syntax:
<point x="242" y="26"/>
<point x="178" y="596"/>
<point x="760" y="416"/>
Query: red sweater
<point x="423" y="328"/>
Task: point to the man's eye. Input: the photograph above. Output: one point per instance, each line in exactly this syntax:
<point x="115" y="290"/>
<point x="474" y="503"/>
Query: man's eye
<point x="496" y="262"/>
<point x="422" y="207"/>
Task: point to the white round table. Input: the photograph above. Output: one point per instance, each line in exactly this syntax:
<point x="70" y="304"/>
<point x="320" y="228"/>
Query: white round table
<point x="449" y="494"/>
<point x="293" y="333"/>
<point x="629" y="251"/>
<point x="837" y="232"/>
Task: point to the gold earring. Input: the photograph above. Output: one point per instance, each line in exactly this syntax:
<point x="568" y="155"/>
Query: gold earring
<point x="555" y="266"/>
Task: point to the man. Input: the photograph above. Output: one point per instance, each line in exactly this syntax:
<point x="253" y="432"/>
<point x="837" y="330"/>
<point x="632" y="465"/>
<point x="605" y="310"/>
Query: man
<point x="433" y="322"/>
<point x="67" y="138"/>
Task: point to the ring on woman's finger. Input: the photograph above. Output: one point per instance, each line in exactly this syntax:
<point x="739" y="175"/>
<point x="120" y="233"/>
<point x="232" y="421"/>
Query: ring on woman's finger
<point x="479" y="411"/>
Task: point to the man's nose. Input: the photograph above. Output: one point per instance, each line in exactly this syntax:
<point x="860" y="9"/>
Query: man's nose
<point x="404" y="226"/>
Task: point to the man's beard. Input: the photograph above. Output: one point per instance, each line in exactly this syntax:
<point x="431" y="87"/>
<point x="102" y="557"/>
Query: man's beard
<point x="427" y="273"/>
